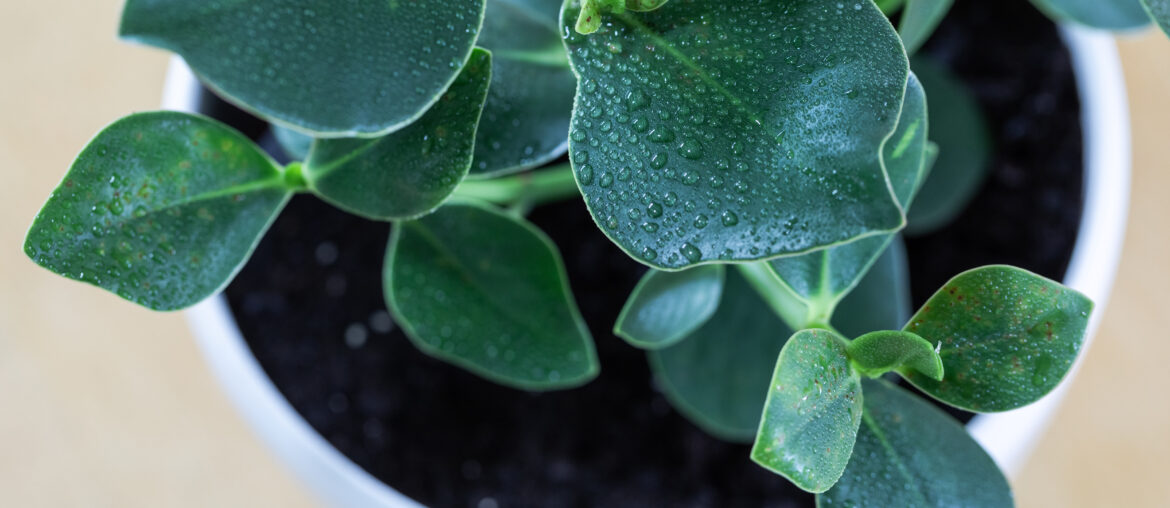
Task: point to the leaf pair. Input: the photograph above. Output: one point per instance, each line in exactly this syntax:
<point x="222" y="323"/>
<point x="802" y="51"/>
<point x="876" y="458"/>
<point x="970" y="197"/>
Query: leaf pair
<point x="1005" y="338"/>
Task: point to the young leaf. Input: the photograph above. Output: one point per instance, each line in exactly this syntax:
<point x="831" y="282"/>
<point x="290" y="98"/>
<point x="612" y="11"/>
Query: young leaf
<point x="751" y="130"/>
<point x="526" y="118"/>
<point x="877" y="353"/>
<point x="1159" y="10"/>
<point x="160" y="208"/>
<point x="911" y="454"/>
<point x="881" y="300"/>
<point x="1008" y="337"/>
<point x="487" y="291"/>
<point x="409" y="172"/>
<point x="332" y="68"/>
<point x="667" y="306"/>
<point x="919" y="20"/>
<point x="718" y="375"/>
<point x="1107" y="14"/>
<point x="822" y="278"/>
<point x="961" y="131"/>
<point x="812" y="412"/>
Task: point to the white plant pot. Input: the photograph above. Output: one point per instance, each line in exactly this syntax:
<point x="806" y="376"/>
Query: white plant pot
<point x="1009" y="437"/>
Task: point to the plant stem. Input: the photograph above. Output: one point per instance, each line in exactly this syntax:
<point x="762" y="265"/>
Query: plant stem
<point x="791" y="309"/>
<point x="524" y="190"/>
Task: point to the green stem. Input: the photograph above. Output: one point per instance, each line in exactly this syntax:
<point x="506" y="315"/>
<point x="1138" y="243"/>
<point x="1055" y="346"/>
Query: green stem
<point x="791" y="309"/>
<point x="525" y="190"/>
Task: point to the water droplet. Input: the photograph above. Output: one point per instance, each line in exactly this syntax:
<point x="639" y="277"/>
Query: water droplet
<point x="692" y="253"/>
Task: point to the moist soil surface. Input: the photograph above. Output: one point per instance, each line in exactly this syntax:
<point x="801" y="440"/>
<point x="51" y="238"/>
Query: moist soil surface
<point x="310" y="306"/>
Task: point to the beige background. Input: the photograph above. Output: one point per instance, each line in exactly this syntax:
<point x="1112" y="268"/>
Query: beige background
<point x="105" y="404"/>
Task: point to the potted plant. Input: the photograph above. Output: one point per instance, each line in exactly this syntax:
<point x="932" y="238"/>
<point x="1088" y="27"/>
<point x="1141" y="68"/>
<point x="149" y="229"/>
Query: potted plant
<point x="760" y="157"/>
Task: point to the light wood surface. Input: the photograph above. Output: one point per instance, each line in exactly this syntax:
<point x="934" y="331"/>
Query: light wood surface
<point x="105" y="404"/>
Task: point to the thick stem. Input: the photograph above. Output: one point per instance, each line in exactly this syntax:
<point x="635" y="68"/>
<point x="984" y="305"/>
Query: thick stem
<point x="791" y="309"/>
<point x="526" y="189"/>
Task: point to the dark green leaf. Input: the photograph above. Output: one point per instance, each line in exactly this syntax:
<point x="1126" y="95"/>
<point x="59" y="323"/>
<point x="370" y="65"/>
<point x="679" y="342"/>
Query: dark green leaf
<point x="732" y="131"/>
<point x="1160" y="11"/>
<point x="910" y="454"/>
<point x="337" y="68"/>
<point x="294" y="143"/>
<point x="919" y="20"/>
<point x="1108" y="14"/>
<point x="667" y="306"/>
<point x="881" y="300"/>
<point x="877" y="353"/>
<point x="718" y="376"/>
<point x="526" y="119"/>
<point x="965" y="148"/>
<point x="1008" y="337"/>
<point x="812" y="412"/>
<point x="487" y="291"/>
<point x="889" y="7"/>
<point x="160" y="208"/>
<point x="411" y="171"/>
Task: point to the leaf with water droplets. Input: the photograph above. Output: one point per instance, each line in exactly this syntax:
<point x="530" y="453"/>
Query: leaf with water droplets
<point x="161" y="208"/>
<point x="1008" y="337"/>
<point x="718" y="375"/>
<point x="877" y="353"/>
<point x="736" y="131"/>
<point x="1108" y="14"/>
<point x="487" y="291"/>
<point x="526" y="119"/>
<point x="822" y="278"/>
<point x="812" y="411"/>
<point x="919" y="20"/>
<point x="409" y="172"/>
<point x="1160" y="11"/>
<point x="909" y="453"/>
<point x="964" y="149"/>
<point x="334" y="68"/>
<point x="667" y="306"/>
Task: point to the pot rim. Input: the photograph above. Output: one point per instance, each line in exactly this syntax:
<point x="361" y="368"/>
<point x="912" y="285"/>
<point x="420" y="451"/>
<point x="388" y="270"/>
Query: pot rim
<point x="1009" y="437"/>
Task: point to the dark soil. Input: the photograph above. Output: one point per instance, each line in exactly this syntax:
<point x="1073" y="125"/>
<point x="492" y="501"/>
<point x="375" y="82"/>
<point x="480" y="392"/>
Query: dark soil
<point x="310" y="306"/>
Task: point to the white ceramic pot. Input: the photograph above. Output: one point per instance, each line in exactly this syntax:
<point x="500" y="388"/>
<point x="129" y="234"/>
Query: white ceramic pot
<point x="1009" y="437"/>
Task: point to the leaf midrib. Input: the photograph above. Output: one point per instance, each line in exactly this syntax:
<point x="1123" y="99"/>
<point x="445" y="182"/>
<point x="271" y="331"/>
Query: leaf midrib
<point x="869" y="422"/>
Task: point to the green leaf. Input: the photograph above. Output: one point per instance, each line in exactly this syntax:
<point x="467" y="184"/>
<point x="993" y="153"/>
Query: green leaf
<point x="294" y="143"/>
<point x="889" y="7"/>
<point x="812" y="413"/>
<point x="487" y="291"/>
<point x="965" y="148"/>
<point x="919" y="20"/>
<point x="161" y="208"/>
<point x="718" y="375"/>
<point x="822" y="278"/>
<point x="1159" y="10"/>
<point x="732" y="131"/>
<point x="877" y="353"/>
<point x="1008" y="337"/>
<point x="911" y="454"/>
<point x="881" y="300"/>
<point x="327" y="67"/>
<point x="409" y="172"/>
<point x="526" y="119"/>
<point x="1108" y="14"/>
<point x="667" y="306"/>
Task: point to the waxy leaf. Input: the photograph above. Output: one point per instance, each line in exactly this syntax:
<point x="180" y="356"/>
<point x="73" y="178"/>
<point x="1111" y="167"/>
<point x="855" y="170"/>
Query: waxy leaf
<point x="960" y="129"/>
<point x="911" y="454"/>
<point x="667" y="306"/>
<point x="877" y="353"/>
<point x="1008" y="337"/>
<point x="525" y="122"/>
<point x="1108" y="14"/>
<point x="919" y="20"/>
<point x="487" y="291"/>
<point x="881" y="300"/>
<point x="1160" y="11"/>
<point x="409" y="172"/>
<point x="734" y="131"/>
<point x="718" y="375"/>
<point x="330" y="67"/>
<point x="822" y="278"/>
<point x="160" y="208"/>
<point x="812" y="412"/>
